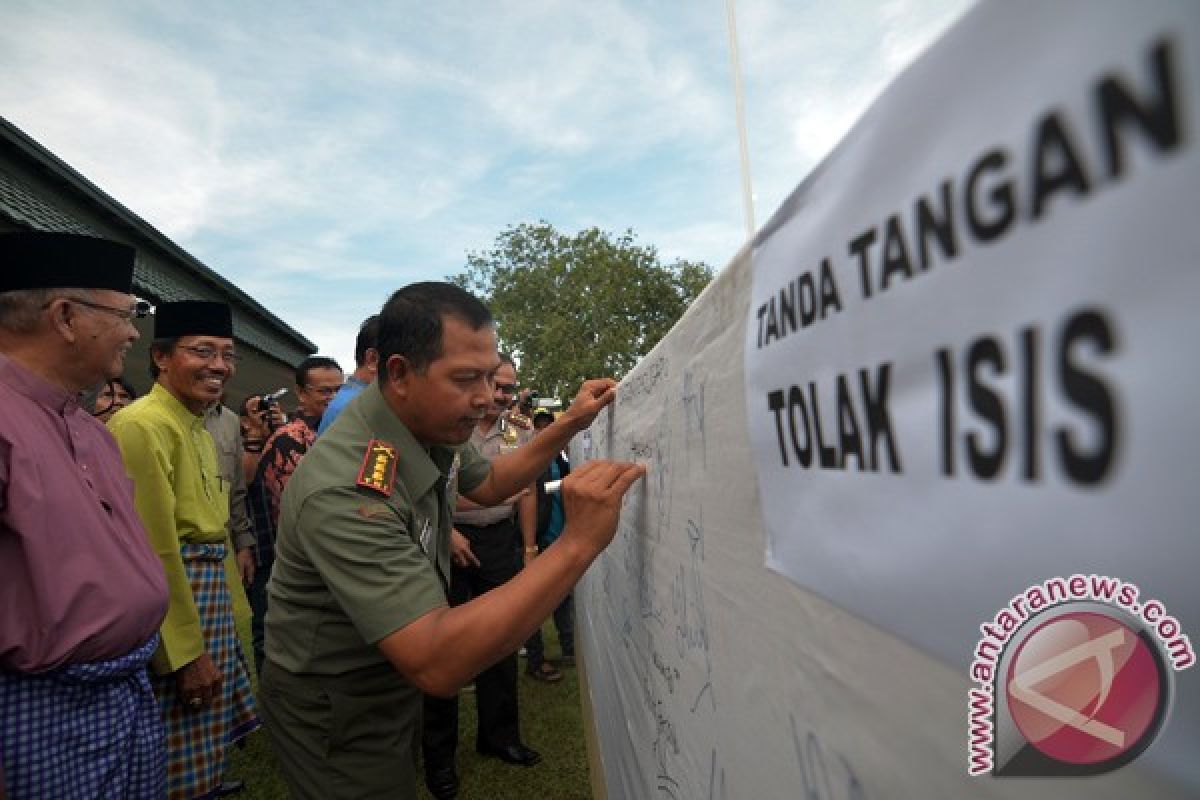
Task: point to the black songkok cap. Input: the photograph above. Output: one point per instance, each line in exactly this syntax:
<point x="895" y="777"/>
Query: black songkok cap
<point x="39" y="260"/>
<point x="193" y="318"/>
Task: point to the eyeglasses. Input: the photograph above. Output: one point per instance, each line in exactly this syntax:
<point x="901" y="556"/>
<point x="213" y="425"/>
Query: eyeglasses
<point x="139" y="308"/>
<point x="206" y="353"/>
<point x="324" y="391"/>
<point x="507" y="388"/>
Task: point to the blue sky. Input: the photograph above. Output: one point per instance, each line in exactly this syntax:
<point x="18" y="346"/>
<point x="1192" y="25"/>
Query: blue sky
<point x="320" y="155"/>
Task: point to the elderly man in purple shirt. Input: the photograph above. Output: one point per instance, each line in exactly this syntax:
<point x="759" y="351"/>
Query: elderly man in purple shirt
<point x="81" y="592"/>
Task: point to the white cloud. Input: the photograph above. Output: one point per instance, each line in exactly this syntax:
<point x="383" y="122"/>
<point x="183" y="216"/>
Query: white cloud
<point x="313" y="157"/>
<point x="569" y="78"/>
<point x="702" y="237"/>
<point x="911" y="26"/>
<point x="811" y="71"/>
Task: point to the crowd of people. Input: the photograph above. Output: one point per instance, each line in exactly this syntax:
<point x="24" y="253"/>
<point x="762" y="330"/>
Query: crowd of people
<point x="401" y="533"/>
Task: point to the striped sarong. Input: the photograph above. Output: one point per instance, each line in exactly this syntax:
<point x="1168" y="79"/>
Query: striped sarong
<point x="197" y="740"/>
<point x="83" y="731"/>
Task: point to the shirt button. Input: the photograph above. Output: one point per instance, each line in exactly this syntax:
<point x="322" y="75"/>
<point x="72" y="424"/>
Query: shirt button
<point x="85" y="467"/>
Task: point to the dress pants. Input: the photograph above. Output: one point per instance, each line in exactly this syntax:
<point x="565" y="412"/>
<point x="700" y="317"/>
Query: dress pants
<point x="496" y="687"/>
<point x="258" y="610"/>
<point x="343" y="737"/>
<point x="536" y="647"/>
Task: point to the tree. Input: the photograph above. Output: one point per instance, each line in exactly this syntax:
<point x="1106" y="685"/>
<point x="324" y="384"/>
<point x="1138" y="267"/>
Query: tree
<point x="570" y="308"/>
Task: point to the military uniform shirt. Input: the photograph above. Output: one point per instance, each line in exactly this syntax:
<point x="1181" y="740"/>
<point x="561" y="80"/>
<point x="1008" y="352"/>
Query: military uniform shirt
<point x="363" y="545"/>
<point x="503" y="437"/>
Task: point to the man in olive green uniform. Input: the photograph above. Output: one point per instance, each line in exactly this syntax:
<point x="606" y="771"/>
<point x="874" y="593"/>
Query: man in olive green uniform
<point x="359" y="626"/>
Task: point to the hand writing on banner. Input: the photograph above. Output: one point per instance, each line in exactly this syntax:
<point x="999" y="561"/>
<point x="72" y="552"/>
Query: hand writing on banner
<point x="820" y="780"/>
<point x="693" y="416"/>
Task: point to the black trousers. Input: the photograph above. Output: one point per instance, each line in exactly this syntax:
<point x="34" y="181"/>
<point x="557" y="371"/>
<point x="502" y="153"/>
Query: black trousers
<point x="496" y="687"/>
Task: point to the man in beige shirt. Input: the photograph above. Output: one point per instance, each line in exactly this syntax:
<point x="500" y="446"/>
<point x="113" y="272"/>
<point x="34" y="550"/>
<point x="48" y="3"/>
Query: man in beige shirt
<point x="484" y="552"/>
<point x="225" y="427"/>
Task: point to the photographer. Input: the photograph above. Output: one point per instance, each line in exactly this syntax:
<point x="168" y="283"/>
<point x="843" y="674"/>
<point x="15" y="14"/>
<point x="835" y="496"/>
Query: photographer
<point x="317" y="381"/>
<point x="260" y="417"/>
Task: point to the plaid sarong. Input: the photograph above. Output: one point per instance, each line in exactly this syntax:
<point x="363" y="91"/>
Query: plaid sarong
<point x="83" y="731"/>
<point x="196" y="740"/>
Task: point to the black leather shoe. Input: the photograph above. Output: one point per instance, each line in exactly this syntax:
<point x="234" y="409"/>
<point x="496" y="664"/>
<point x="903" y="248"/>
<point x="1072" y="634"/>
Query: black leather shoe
<point x="230" y="787"/>
<point x="442" y="783"/>
<point x="517" y="754"/>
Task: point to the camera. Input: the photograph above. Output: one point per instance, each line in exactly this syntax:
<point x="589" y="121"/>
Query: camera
<point x="270" y="402"/>
<point x="267" y="400"/>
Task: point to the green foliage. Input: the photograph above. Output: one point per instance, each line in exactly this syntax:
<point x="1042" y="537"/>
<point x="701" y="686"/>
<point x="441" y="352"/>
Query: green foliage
<point x="576" y="307"/>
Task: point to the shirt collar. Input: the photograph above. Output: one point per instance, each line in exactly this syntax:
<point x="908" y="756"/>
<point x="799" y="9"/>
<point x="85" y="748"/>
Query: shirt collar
<point x="418" y="468"/>
<point x="172" y="404"/>
<point x="35" y="387"/>
<point x="497" y="428"/>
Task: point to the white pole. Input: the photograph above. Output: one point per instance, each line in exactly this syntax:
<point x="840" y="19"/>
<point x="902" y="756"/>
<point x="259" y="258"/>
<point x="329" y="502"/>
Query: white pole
<point x="743" y="145"/>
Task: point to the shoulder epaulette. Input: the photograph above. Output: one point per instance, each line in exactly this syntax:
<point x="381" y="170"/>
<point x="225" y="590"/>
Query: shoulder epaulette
<point x="379" y="467"/>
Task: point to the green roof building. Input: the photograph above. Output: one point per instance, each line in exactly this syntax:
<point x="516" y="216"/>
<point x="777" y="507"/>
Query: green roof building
<point x="38" y="191"/>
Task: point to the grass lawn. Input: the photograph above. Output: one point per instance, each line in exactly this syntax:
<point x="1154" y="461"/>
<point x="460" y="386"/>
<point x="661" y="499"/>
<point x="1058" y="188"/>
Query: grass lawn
<point x="551" y="723"/>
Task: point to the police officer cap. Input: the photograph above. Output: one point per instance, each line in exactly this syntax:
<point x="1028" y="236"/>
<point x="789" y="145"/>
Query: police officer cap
<point x="193" y="318"/>
<point x="40" y="260"/>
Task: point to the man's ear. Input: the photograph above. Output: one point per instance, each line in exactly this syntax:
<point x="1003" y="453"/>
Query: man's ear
<point x="161" y="360"/>
<point x="372" y="359"/>
<point x="398" y="371"/>
<point x="60" y="315"/>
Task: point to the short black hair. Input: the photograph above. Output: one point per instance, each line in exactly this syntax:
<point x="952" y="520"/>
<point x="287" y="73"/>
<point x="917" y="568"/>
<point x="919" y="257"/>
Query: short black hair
<point x="410" y="323"/>
<point x="93" y="396"/>
<point x="367" y="339"/>
<point x="311" y="363"/>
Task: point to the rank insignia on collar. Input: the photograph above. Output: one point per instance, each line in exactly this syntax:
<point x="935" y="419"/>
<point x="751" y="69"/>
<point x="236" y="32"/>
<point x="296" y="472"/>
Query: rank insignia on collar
<point x="379" y="467"/>
<point x="509" y="432"/>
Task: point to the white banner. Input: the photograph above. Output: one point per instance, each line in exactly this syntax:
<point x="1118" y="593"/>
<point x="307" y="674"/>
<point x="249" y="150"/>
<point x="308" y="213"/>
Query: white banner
<point x="970" y="353"/>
